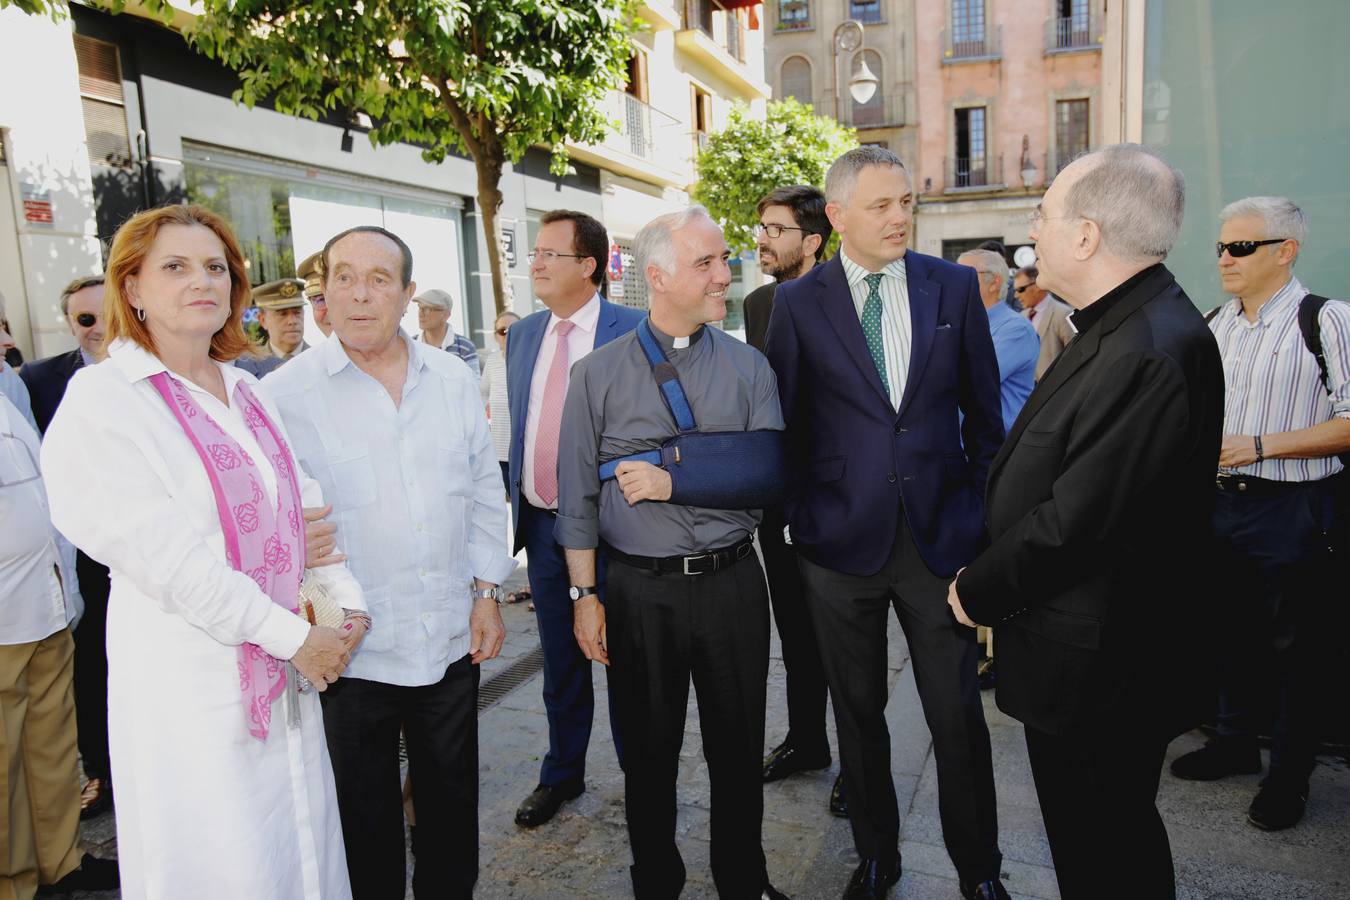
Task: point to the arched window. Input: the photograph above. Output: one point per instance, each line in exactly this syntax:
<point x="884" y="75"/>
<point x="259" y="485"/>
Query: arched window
<point x="796" y="79"/>
<point x="872" y="113"/>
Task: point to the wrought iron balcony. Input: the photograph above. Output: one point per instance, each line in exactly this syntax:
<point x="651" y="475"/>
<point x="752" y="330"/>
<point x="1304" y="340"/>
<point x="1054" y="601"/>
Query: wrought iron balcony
<point x="973" y="173"/>
<point x="1065" y="34"/>
<point x="719" y="24"/>
<point x="962" y="45"/>
<point x="882" y="111"/>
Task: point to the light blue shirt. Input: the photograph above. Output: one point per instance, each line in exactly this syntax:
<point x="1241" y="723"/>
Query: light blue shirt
<point x="416" y="493"/>
<point x="12" y="386"/>
<point x="1017" y="346"/>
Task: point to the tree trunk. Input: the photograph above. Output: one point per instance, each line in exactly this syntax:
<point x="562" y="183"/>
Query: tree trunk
<point x="490" y="201"/>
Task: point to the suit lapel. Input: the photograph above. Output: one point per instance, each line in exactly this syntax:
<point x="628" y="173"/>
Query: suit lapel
<point x="836" y="302"/>
<point x="607" y="325"/>
<point x="923" y="307"/>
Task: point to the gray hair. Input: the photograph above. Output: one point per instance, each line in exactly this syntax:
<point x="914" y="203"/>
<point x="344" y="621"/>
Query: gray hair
<point x="842" y="177"/>
<point x="655" y="243"/>
<point x="75" y="287"/>
<point x="986" y="262"/>
<point x="1136" y="198"/>
<point x="1282" y="218"/>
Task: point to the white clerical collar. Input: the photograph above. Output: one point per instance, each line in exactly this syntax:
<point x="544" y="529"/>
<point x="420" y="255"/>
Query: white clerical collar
<point x="680" y="343"/>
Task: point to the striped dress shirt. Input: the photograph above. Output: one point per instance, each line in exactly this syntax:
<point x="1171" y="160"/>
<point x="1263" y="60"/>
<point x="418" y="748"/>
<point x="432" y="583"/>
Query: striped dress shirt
<point x="895" y="324"/>
<point x="1273" y="383"/>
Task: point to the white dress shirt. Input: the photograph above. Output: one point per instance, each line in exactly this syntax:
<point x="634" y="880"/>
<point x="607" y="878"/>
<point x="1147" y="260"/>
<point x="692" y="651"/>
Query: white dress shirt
<point x="580" y="341"/>
<point x="416" y="493"/>
<point x="493" y="392"/>
<point x="35" y="604"/>
<point x="895" y="323"/>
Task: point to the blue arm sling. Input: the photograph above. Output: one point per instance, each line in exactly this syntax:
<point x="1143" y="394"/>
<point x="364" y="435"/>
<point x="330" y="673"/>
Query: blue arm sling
<point x="714" y="470"/>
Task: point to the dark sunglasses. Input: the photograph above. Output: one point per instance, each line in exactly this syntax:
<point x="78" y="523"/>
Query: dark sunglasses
<point x="1239" y="249"/>
<point x="86" y="320"/>
<point x="502" y="330"/>
<point x="1018" y="290"/>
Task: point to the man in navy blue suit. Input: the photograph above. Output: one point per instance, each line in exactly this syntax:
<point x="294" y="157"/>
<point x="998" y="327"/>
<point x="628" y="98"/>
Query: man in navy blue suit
<point x="889" y="385"/>
<point x="566" y="267"/>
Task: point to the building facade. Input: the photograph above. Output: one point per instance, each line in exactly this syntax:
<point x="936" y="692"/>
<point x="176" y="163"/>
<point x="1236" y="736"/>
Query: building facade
<point x="984" y="100"/>
<point x="118" y="114"/>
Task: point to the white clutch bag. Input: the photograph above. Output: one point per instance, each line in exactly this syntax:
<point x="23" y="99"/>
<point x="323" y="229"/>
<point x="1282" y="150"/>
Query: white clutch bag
<point x="317" y="605"/>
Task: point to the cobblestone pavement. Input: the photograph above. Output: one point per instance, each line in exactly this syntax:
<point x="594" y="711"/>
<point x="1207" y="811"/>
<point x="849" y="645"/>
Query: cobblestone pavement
<point x="583" y="852"/>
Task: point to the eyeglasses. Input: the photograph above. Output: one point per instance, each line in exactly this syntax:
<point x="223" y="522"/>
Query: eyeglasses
<point x="1239" y="249"/>
<point x="502" y="331"/>
<point x="86" y="320"/>
<point x="549" y="256"/>
<point x="774" y="231"/>
<point x="1037" y="216"/>
<point x="1019" y="290"/>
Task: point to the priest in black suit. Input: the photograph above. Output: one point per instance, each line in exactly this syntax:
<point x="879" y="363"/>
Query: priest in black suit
<point x="1098" y="508"/>
<point x="82" y="306"/>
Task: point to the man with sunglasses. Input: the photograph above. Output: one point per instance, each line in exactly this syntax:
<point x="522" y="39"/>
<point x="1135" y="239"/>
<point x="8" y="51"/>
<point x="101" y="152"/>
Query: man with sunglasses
<point x="1047" y="313"/>
<point x="82" y="306"/>
<point x="1285" y="421"/>
<point x="567" y="265"/>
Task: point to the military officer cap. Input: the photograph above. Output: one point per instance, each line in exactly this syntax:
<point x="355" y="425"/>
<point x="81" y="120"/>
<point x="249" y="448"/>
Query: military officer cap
<point x="311" y="270"/>
<point x="284" y="293"/>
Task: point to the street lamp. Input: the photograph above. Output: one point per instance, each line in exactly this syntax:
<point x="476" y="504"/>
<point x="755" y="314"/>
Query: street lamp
<point x="849" y="37"/>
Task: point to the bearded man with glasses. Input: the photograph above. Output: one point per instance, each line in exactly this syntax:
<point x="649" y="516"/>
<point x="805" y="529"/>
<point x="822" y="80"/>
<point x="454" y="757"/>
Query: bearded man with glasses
<point x="1286" y="419"/>
<point x="82" y="306"/>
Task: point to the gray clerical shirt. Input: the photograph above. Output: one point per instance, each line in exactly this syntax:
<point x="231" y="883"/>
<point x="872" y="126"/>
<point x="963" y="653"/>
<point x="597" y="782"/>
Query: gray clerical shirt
<point x="614" y="409"/>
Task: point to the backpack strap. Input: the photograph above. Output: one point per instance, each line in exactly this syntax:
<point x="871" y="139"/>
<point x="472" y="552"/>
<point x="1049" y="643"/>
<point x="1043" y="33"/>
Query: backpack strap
<point x="1309" y="309"/>
<point x="1209" y="316"/>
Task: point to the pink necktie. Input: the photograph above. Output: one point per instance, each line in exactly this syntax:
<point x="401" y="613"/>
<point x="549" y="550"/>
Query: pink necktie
<point x="550" y="418"/>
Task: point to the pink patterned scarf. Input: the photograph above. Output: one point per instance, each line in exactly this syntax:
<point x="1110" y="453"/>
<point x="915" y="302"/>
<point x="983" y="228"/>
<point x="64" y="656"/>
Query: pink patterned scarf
<point x="262" y="542"/>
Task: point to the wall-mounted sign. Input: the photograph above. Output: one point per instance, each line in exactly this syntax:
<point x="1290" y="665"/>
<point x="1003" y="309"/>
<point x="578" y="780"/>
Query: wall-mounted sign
<point x="37" y="206"/>
<point x="615" y="264"/>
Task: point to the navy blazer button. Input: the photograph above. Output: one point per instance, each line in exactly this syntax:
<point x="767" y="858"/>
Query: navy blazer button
<point x="891" y="477"/>
<point x="900" y="430"/>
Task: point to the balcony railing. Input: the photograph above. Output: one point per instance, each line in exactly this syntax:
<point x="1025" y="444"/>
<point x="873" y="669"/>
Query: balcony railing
<point x="720" y="25"/>
<point x="867" y="12"/>
<point x="971" y="45"/>
<point x="1069" y="33"/>
<point x="645" y="132"/>
<point x="794" y="16"/>
<point x="882" y="111"/>
<point x="964" y="173"/>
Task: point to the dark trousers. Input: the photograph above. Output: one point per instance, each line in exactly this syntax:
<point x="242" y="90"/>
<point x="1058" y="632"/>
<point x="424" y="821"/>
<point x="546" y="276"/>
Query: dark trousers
<point x="801" y="655"/>
<point x="362" y="720"/>
<point x="1276" y="566"/>
<point x="663" y="629"/>
<point x="91" y="668"/>
<point x="1097" y="791"/>
<point x="849" y="613"/>
<point x="569" y="694"/>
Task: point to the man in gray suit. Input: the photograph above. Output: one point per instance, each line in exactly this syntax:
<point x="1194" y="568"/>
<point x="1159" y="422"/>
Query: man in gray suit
<point x="1047" y="312"/>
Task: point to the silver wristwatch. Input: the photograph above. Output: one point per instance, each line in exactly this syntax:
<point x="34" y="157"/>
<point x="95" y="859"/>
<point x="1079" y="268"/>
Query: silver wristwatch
<point x="492" y="593"/>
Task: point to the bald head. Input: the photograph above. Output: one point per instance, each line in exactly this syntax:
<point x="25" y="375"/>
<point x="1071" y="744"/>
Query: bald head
<point x="1135" y="196"/>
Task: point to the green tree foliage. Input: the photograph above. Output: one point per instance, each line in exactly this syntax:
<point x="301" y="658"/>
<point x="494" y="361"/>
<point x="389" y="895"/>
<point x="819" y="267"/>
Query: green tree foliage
<point x="749" y="158"/>
<point x="489" y="78"/>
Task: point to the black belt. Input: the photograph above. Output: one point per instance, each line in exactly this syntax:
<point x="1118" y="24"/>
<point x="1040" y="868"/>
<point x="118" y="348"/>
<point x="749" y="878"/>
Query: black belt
<point x="693" y="564"/>
<point x="1257" y="487"/>
<point x="539" y="509"/>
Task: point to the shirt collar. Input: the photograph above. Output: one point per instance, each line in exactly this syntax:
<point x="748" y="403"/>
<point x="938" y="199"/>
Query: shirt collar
<point x="668" y="343"/>
<point x="137" y="364"/>
<point x="856" y="273"/>
<point x="585" y="318"/>
<point x="1085" y="318"/>
<point x="335" y="357"/>
<point x="1279" y="303"/>
<point x="86" y="359"/>
<point x="1000" y="310"/>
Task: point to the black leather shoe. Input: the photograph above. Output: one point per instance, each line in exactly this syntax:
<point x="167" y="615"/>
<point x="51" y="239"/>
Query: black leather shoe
<point x="839" y="798"/>
<point x="96" y="798"/>
<point x="872" y="880"/>
<point x="785" y="760"/>
<point x="992" y="889"/>
<point x="1278" y="805"/>
<point x="543" y="804"/>
<point x="772" y="893"/>
<point x="1219" y="758"/>
<point x="94" y="874"/>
